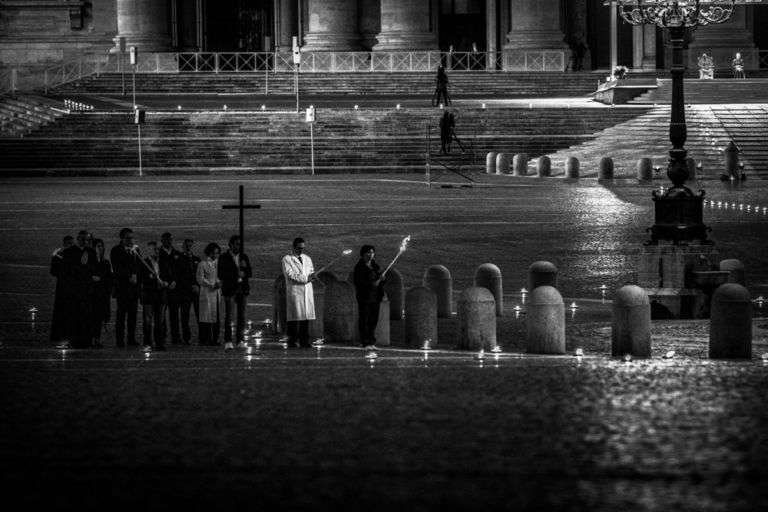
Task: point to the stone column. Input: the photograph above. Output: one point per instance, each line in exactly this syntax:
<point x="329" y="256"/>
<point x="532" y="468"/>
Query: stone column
<point x="332" y="26"/>
<point x="535" y="26"/>
<point x="721" y="42"/>
<point x="491" y="31"/>
<point x="287" y="16"/>
<point x="405" y="26"/>
<point x="144" y="24"/>
<point x="649" y="47"/>
<point x="369" y="16"/>
<point x="638" y="37"/>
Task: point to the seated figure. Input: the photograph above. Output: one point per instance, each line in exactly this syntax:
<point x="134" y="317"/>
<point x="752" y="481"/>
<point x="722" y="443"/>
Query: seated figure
<point x="706" y="67"/>
<point x="738" y="67"/>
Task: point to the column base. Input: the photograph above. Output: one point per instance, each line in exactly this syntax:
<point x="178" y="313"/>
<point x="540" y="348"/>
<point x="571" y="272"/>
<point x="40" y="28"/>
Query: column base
<point x="535" y="40"/>
<point x="339" y="42"/>
<point x="405" y="41"/>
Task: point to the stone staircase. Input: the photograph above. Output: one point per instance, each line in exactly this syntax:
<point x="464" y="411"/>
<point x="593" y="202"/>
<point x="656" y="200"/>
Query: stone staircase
<point x="479" y="84"/>
<point x="345" y="140"/>
<point x="701" y="92"/>
<point x="22" y="115"/>
<point x="710" y="128"/>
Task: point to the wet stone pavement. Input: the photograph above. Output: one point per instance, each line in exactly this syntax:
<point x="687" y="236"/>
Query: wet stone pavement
<point x="265" y="427"/>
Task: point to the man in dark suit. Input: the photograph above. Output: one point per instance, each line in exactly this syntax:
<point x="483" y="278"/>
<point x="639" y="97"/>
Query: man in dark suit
<point x="79" y="271"/>
<point x="234" y="271"/>
<point x="172" y="258"/>
<point x="126" y="267"/>
<point x="188" y="289"/>
<point x="154" y="287"/>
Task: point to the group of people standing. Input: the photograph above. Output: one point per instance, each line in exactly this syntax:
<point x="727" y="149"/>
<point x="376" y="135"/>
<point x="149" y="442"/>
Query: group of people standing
<point x="170" y="283"/>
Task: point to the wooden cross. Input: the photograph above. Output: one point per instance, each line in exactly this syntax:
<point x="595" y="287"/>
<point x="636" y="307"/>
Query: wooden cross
<point x="242" y="207"/>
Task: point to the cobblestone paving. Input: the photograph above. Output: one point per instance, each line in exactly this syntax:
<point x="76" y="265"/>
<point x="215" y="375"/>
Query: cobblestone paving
<point x="197" y="428"/>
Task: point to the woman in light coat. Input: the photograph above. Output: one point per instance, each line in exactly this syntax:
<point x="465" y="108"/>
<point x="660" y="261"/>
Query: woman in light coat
<point x="299" y="274"/>
<point x="210" y="296"/>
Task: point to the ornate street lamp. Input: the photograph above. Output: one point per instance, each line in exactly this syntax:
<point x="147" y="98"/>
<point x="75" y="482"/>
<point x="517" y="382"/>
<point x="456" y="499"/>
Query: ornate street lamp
<point x="677" y="17"/>
<point x="679" y="212"/>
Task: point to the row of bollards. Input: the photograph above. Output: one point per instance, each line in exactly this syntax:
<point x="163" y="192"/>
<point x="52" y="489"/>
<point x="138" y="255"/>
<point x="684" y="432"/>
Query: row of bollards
<point x="498" y="163"/>
<point x="480" y="305"/>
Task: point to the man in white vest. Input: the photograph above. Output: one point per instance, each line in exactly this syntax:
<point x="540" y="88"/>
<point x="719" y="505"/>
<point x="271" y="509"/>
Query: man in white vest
<point x="299" y="274"/>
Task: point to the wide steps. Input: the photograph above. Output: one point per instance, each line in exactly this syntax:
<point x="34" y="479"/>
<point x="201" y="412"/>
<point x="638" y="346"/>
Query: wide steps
<point x="93" y="141"/>
<point x="339" y="84"/>
<point x="703" y="92"/>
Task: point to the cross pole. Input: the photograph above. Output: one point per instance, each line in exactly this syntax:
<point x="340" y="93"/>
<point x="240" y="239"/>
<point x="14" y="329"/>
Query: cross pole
<point x="241" y="206"/>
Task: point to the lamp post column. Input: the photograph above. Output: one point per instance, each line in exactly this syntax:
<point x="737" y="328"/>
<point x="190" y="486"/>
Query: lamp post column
<point x="678" y="132"/>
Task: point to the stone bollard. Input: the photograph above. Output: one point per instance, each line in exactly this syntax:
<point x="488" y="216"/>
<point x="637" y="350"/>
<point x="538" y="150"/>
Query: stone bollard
<point x="736" y="269"/>
<point x="488" y="276"/>
<point x="731" y="153"/>
<point x="393" y="287"/>
<point x="572" y="168"/>
<point x="490" y="162"/>
<point x="420" y="317"/>
<point x="544" y="167"/>
<point x="691" y="164"/>
<point x="316" y="329"/>
<point x="546" y="322"/>
<point x="279" y="305"/>
<point x="730" y="323"/>
<point x="502" y="163"/>
<point x="340" y="314"/>
<point x="438" y="279"/>
<point x="382" y="328"/>
<point x="520" y="164"/>
<point x="542" y="273"/>
<point x="606" y="169"/>
<point x="644" y="170"/>
<point x="477" y="319"/>
<point x="631" y="324"/>
<point x="326" y="276"/>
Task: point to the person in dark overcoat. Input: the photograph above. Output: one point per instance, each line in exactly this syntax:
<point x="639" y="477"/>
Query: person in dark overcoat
<point x="102" y="292"/>
<point x="369" y="291"/>
<point x="126" y="267"/>
<point x="79" y="274"/>
<point x="234" y="271"/>
<point x="59" y="313"/>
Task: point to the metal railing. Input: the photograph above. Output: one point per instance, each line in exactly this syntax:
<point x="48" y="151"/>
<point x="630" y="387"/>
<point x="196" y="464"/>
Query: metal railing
<point x="357" y="62"/>
<point x="70" y="71"/>
<point x="762" y="58"/>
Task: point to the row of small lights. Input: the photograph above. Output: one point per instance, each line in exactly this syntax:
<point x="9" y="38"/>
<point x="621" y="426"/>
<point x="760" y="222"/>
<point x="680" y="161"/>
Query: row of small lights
<point x="741" y="206"/>
<point x="76" y="105"/>
<point x="356" y="107"/>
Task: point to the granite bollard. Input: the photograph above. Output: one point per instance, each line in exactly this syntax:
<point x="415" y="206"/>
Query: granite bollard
<point x="605" y="171"/>
<point x="279" y="305"/>
<point x="438" y="279"/>
<point x="644" y="170"/>
<point x="477" y="319"/>
<point x="542" y="273"/>
<point x="382" y="332"/>
<point x="488" y="276"/>
<point x="572" y="168"/>
<point x="420" y="317"/>
<point x="502" y="163"/>
<point x="631" y="323"/>
<point x="736" y="269"/>
<point x="730" y="323"/>
<point x="490" y="162"/>
<point x="544" y="167"/>
<point x="316" y="329"/>
<point x="393" y="287"/>
<point x="520" y="164"/>
<point x="326" y="276"/>
<point x="546" y="322"/>
<point x="691" y="164"/>
<point x="340" y="312"/>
